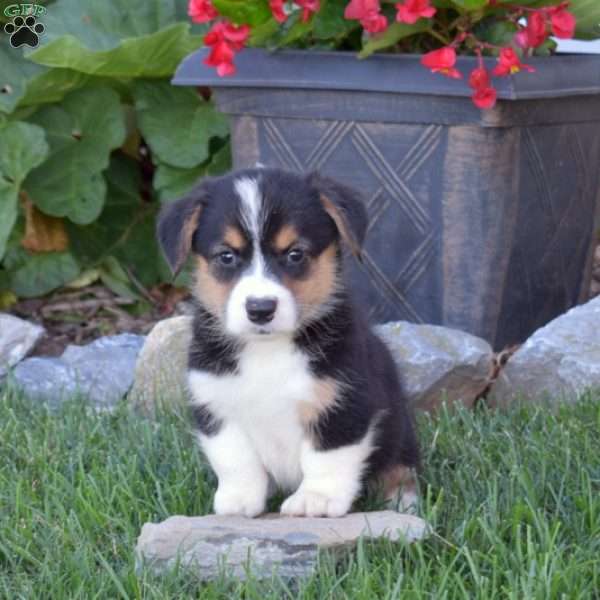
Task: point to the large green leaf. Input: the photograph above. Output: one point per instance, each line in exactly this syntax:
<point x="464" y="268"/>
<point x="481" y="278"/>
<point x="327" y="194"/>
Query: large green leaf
<point x="42" y="273"/>
<point x="23" y="147"/>
<point x="82" y="131"/>
<point x="587" y="13"/>
<point x="177" y="123"/>
<point x="15" y="72"/>
<point x="243" y="12"/>
<point x="52" y="85"/>
<point x="392" y="35"/>
<point x="120" y="38"/>
<point x="125" y="229"/>
<point x="24" y="83"/>
<point x="171" y="183"/>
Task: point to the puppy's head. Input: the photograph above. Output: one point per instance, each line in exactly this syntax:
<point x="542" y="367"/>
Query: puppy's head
<point x="266" y="245"/>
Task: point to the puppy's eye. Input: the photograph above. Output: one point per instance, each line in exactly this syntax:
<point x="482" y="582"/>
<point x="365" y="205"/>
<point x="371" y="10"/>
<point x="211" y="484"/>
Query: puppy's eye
<point x="295" y="256"/>
<point x="227" y="258"/>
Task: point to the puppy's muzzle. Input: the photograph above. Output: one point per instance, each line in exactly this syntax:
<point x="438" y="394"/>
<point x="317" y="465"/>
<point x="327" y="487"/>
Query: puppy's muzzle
<point x="261" y="310"/>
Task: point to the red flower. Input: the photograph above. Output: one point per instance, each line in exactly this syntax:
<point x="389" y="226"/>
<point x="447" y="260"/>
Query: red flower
<point x="202" y="11"/>
<point x="308" y="7"/>
<point x="479" y="78"/>
<point x="484" y="95"/>
<point x="226" y="39"/>
<point x="368" y="13"/>
<point x="442" y="61"/>
<point x="484" y="98"/>
<point x="563" y="24"/>
<point x="412" y="10"/>
<point x="535" y="33"/>
<point x="509" y="63"/>
<point x="276" y="7"/>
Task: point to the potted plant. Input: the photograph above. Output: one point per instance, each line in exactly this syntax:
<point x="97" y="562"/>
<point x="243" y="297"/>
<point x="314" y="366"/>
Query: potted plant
<point x="477" y="150"/>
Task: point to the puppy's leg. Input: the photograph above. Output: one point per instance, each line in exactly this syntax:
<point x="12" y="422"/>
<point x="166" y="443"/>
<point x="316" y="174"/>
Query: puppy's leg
<point x="400" y="488"/>
<point x="332" y="479"/>
<point x="243" y="481"/>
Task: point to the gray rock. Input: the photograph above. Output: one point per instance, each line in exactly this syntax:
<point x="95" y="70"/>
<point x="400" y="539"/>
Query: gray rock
<point x="17" y="339"/>
<point x="437" y="363"/>
<point x="48" y="379"/>
<point x="290" y="545"/>
<point x="160" y="372"/>
<point x="102" y="372"/>
<point x="557" y="363"/>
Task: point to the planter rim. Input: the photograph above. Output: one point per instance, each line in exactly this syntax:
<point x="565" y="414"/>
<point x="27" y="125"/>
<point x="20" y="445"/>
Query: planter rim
<point x="556" y="76"/>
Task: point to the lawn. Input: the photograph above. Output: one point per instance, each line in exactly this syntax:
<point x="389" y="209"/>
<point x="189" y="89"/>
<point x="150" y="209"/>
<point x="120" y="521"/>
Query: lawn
<point x="514" y="499"/>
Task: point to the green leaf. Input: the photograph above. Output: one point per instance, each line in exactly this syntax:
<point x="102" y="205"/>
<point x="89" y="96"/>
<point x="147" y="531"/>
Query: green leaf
<point x="470" y="5"/>
<point x="587" y="13"/>
<point x="261" y="34"/>
<point x="498" y="33"/>
<point x="23" y="147"/>
<point x="330" y="23"/>
<point x="292" y="30"/>
<point x="24" y="83"/>
<point x="120" y="38"/>
<point x="15" y="72"/>
<point x="42" y="273"/>
<point x="52" y="85"/>
<point x="172" y="183"/>
<point x="392" y="35"/>
<point x="82" y="131"/>
<point x="115" y="278"/>
<point x="125" y="229"/>
<point x="177" y="123"/>
<point x="242" y="12"/>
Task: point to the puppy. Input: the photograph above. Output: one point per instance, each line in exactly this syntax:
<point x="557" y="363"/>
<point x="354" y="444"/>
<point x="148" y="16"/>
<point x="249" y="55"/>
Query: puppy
<point x="289" y="387"/>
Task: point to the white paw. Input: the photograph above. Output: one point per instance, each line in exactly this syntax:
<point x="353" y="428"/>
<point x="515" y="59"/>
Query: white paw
<point x="408" y="502"/>
<point x="305" y="503"/>
<point x="230" y="501"/>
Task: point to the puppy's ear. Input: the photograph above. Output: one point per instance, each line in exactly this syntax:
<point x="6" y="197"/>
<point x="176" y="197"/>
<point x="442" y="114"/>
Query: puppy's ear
<point x="346" y="207"/>
<point x="177" y="224"/>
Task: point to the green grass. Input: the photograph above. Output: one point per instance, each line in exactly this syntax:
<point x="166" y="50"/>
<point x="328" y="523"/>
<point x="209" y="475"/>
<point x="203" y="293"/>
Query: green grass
<point x="514" y="499"/>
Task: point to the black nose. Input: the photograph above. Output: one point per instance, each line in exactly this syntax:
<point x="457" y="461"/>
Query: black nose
<point x="261" y="310"/>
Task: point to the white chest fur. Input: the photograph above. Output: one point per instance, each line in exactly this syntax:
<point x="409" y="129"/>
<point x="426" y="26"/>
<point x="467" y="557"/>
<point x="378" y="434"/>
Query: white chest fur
<point x="263" y="399"/>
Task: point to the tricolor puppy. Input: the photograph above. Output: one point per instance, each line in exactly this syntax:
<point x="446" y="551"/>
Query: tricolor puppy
<point x="289" y="387"/>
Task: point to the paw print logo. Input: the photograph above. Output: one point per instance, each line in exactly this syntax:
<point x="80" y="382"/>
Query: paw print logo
<point x="24" y="32"/>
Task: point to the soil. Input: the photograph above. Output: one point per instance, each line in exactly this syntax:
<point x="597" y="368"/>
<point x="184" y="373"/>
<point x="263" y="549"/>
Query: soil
<point x="81" y="316"/>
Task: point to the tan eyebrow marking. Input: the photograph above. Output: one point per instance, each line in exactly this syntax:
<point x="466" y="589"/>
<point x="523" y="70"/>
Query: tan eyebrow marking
<point x="233" y="238"/>
<point x="285" y="237"/>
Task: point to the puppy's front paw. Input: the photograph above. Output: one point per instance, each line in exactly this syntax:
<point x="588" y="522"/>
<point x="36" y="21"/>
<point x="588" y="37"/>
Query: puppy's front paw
<point x="233" y="501"/>
<point x="305" y="503"/>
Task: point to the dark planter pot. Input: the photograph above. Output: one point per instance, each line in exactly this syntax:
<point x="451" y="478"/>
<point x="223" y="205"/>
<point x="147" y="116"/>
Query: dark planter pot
<point x="479" y="220"/>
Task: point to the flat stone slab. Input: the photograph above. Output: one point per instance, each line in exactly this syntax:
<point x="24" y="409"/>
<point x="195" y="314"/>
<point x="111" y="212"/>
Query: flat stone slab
<point x="102" y="372"/>
<point x="212" y="545"/>
<point x="17" y="339"/>
<point x="557" y="363"/>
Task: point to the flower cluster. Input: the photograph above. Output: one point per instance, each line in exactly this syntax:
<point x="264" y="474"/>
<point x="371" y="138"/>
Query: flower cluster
<point x="531" y="29"/>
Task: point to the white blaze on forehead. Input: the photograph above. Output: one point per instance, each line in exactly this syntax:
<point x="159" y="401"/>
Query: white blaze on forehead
<point x="255" y="281"/>
<point x="249" y="193"/>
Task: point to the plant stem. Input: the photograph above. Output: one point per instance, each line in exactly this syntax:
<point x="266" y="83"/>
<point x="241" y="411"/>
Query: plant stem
<point x="439" y="36"/>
